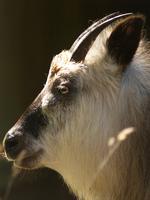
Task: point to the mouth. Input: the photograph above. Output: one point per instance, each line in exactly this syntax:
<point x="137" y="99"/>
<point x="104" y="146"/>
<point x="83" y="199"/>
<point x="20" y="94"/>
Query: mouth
<point x="28" y="161"/>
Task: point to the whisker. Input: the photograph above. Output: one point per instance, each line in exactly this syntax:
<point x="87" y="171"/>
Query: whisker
<point x="2" y="154"/>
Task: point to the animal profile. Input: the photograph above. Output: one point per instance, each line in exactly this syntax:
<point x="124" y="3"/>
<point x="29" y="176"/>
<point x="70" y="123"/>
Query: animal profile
<point x="91" y="121"/>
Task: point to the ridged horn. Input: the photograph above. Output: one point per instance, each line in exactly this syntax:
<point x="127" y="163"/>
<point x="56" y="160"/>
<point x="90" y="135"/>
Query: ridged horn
<point x="81" y="46"/>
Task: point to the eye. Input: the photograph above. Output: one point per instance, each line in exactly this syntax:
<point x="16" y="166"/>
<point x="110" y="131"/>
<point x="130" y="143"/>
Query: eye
<point x="63" y="89"/>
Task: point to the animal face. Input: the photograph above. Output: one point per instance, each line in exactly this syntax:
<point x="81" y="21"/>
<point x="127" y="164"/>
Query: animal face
<point x="72" y="116"/>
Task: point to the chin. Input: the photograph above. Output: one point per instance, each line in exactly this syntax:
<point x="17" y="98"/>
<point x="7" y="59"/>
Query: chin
<point x="29" y="162"/>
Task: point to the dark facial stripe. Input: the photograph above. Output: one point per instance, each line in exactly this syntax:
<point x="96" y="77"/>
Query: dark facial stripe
<point x="33" y="122"/>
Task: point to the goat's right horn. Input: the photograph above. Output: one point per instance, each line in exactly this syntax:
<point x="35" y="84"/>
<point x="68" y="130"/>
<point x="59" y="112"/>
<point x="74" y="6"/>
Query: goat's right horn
<point x="81" y="46"/>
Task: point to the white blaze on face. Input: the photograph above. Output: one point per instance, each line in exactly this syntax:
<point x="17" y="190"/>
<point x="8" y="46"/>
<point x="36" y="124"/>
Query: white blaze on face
<point x="46" y="99"/>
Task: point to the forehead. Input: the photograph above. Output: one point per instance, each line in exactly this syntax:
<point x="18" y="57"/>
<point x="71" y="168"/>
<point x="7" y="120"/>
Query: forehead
<point x="61" y="64"/>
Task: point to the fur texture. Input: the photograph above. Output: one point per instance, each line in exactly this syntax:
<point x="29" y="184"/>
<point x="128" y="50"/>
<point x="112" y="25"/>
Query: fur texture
<point x="109" y="103"/>
<point x="83" y="139"/>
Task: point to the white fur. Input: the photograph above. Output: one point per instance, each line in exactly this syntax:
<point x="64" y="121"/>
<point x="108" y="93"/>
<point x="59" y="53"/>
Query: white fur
<point x="84" y="141"/>
<point x="110" y="100"/>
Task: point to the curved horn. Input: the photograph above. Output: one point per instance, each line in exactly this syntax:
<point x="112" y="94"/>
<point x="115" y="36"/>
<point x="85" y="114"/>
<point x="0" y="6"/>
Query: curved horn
<point x="82" y="44"/>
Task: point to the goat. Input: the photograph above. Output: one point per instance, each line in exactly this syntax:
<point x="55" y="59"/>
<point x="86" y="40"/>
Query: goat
<point x="97" y="95"/>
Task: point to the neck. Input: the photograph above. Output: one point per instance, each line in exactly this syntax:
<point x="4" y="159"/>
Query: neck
<point x="97" y="164"/>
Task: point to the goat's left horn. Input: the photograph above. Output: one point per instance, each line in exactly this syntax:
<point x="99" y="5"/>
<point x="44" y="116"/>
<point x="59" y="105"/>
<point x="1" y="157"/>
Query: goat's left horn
<point x="82" y="44"/>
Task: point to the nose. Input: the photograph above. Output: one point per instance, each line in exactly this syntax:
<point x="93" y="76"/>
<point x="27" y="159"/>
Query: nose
<point x="13" y="145"/>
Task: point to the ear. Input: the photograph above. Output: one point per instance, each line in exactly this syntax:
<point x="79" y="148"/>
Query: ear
<point x="81" y="46"/>
<point x="124" y="39"/>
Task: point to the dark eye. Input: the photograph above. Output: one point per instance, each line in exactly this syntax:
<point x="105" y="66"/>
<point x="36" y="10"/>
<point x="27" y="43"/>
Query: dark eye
<point x="63" y="89"/>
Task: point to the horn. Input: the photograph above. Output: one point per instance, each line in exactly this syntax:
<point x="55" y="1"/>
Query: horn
<point x="82" y="44"/>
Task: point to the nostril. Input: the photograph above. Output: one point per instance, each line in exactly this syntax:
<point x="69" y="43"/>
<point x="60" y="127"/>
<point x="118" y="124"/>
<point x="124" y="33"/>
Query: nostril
<point x="13" y="145"/>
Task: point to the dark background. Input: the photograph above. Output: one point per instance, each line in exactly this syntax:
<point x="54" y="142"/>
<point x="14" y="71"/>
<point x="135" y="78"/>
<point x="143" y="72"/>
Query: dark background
<point x="31" y="33"/>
